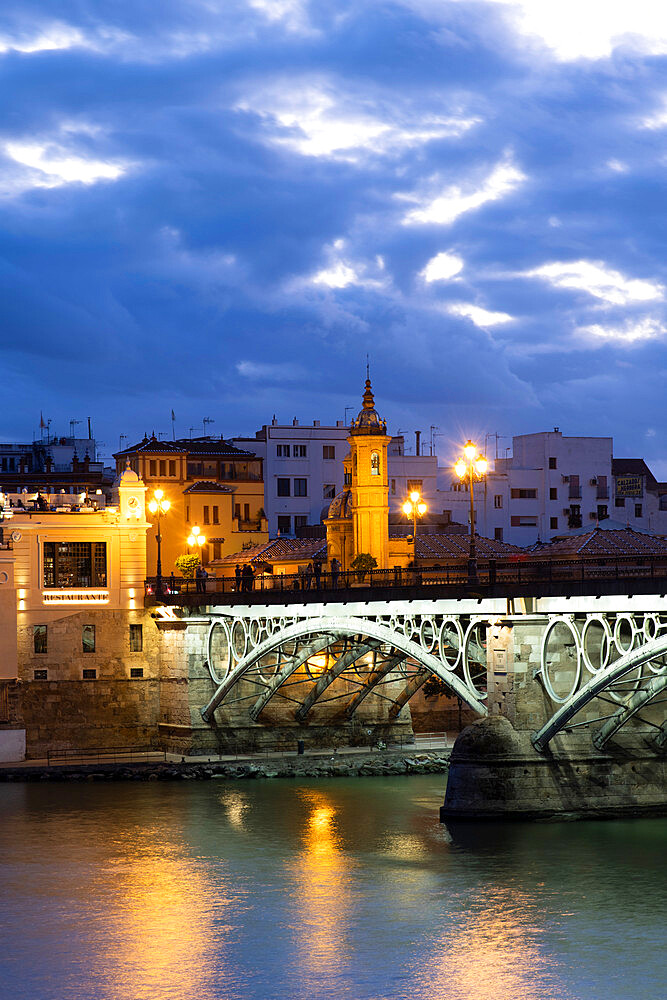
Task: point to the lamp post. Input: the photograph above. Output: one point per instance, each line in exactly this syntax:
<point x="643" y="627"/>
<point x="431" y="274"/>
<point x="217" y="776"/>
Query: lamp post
<point x="471" y="462"/>
<point x="158" y="505"/>
<point x="196" y="538"/>
<point x="413" y="508"/>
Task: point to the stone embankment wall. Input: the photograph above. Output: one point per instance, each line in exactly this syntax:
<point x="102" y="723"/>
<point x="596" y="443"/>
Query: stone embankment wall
<point x="378" y="764"/>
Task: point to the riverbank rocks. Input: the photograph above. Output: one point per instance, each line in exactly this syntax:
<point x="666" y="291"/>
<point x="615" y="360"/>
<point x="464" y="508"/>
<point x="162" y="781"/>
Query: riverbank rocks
<point x="339" y="765"/>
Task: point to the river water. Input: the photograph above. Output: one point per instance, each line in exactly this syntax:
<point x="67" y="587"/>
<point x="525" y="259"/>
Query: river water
<point x="318" y="889"/>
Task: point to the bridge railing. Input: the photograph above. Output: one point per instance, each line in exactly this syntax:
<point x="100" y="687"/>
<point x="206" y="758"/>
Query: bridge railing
<point x="489" y="574"/>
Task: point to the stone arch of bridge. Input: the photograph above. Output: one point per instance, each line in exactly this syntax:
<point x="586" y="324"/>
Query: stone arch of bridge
<point x="598" y="684"/>
<point x="321" y="632"/>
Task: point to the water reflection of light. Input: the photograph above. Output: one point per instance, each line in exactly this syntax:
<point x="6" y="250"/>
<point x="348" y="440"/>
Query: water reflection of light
<point x="489" y="954"/>
<point x="236" y="806"/>
<point x="160" y="928"/>
<point x="322" y="893"/>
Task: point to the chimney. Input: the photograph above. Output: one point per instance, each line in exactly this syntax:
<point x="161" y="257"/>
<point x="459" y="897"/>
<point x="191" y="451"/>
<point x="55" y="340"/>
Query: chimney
<point x="418" y="442"/>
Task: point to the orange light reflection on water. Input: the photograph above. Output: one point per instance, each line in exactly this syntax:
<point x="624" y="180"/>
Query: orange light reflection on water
<point x="491" y="954"/>
<point x="161" y="932"/>
<point x="322" y="893"/>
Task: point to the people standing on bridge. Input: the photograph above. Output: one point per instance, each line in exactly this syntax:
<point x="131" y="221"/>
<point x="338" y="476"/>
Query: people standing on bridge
<point x="198" y="580"/>
<point x="317" y="572"/>
<point x="248" y="578"/>
<point x="308" y="576"/>
<point x="237" y="577"/>
<point x="335" y="572"/>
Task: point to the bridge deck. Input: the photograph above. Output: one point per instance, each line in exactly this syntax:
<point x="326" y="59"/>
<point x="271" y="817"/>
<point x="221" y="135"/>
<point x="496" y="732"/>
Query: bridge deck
<point x="590" y="587"/>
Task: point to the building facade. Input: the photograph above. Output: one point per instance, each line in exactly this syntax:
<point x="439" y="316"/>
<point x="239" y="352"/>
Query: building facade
<point x="209" y="484"/>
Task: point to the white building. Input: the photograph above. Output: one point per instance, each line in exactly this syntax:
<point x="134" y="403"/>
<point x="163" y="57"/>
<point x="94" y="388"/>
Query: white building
<point x="553" y="485"/>
<point x="303" y="472"/>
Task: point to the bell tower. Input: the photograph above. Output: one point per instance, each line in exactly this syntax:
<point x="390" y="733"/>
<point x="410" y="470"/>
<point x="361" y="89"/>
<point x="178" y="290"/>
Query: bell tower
<point x="370" y="485"/>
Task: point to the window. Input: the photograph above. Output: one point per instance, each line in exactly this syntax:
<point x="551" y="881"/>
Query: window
<point x="39" y="638"/>
<point x="603" y="489"/>
<point x="553" y="493"/>
<point x="237" y="509"/>
<point x="88" y="638"/>
<point x="300" y="487"/>
<point x="524" y="494"/>
<point x="347" y="478"/>
<point x="152" y="467"/>
<point x="75" y="564"/>
<point x="375" y="463"/>
<point x="300" y="520"/>
<point x="393" y="487"/>
<point x="172" y="467"/>
<point x="283" y="489"/>
<point x="217" y="550"/>
<point x="619" y="502"/>
<point x="498" y="534"/>
<point x="553" y="462"/>
<point x="90" y="674"/>
<point x="574" y="519"/>
<point x="284" y="524"/>
<point x="575" y="490"/>
<point x="40" y="675"/>
<point x="328" y="452"/>
<point x="498" y="501"/>
<point x="163" y="467"/>
<point x="136" y="672"/>
<point x="638" y="510"/>
<point x="207" y="519"/>
<point x="216" y="515"/>
<point x="246" y="511"/>
<point x="136" y="638"/>
<point x="187" y="515"/>
<point x="328" y="491"/>
<point x="300" y="451"/>
<point x="524" y="521"/>
<point x="553" y="523"/>
<point x="282" y="450"/>
<point x="602" y="511"/>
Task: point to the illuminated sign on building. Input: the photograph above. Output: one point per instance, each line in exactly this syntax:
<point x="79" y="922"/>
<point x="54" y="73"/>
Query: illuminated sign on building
<point x="629" y="486"/>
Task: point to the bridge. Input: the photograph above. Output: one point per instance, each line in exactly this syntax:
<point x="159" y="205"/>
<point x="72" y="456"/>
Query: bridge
<point x="576" y="671"/>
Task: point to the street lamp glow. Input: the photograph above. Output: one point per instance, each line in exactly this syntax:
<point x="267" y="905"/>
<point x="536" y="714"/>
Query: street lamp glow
<point x="472" y="463"/>
<point x="414" y="507"/>
<point x="470" y="450"/>
<point x="158" y="505"/>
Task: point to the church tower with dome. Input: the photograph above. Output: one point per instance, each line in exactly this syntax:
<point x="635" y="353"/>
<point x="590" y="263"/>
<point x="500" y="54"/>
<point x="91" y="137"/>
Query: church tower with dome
<point x="358" y="520"/>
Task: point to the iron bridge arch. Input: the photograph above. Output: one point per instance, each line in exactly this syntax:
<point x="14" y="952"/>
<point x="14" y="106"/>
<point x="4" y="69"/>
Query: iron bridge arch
<point x="408" y="649"/>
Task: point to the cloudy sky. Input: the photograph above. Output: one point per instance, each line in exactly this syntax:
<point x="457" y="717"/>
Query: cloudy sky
<point x="221" y="206"/>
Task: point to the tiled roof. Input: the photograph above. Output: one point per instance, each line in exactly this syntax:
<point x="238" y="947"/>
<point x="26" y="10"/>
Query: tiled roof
<point x="211" y="446"/>
<point x="206" y="486"/>
<point x="281" y="550"/>
<point x="448" y="546"/>
<point x="195" y="446"/>
<point x="604" y="543"/>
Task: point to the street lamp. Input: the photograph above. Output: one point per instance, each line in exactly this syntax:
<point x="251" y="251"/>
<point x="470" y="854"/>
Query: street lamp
<point x="196" y="538"/>
<point x="414" y="507"/>
<point x="158" y="505"/>
<point x="471" y="462"/>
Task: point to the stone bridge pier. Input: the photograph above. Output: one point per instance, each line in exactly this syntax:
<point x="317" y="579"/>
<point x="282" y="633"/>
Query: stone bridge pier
<point x="575" y="723"/>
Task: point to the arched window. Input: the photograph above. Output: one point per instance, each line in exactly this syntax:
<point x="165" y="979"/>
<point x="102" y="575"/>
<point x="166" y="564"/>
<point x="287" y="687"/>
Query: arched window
<point x="375" y="463"/>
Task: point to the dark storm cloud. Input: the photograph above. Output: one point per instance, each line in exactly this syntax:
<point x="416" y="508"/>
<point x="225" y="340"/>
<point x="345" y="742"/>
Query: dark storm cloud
<point x="225" y="207"/>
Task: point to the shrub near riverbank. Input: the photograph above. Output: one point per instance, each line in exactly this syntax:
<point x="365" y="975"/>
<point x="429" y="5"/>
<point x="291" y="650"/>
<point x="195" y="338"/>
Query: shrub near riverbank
<point x="379" y="764"/>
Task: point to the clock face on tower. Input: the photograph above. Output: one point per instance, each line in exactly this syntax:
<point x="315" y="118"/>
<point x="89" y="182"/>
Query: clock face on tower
<point x="132" y="503"/>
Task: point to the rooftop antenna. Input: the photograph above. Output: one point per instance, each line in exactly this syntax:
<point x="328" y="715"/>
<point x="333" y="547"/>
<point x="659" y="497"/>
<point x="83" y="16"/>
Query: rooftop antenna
<point x="72" y="425"/>
<point x="191" y="430"/>
<point x="207" y="420"/>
